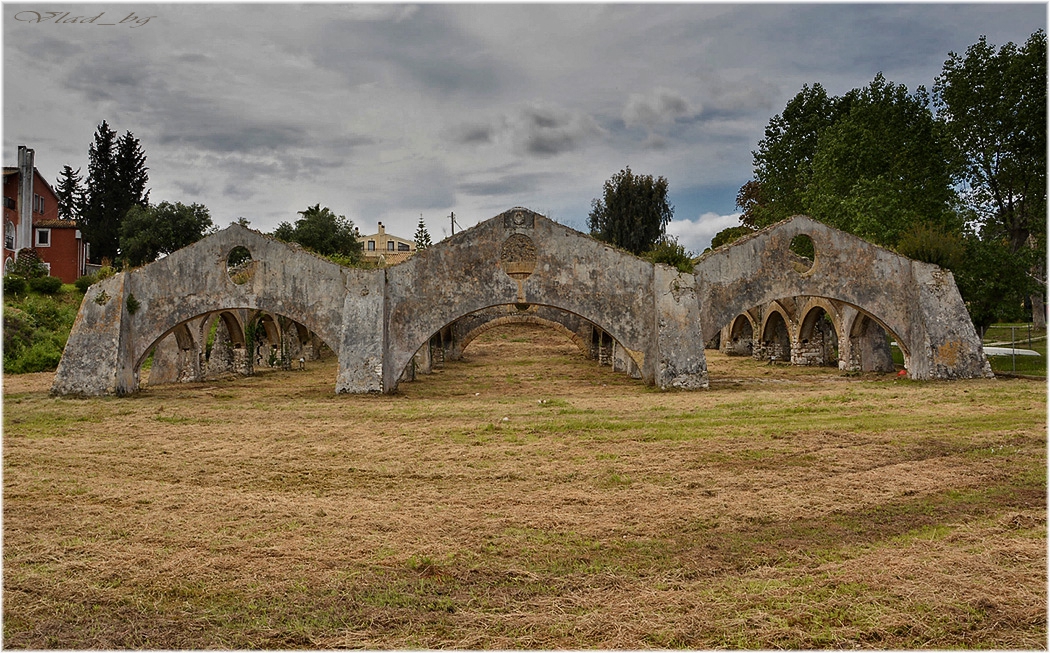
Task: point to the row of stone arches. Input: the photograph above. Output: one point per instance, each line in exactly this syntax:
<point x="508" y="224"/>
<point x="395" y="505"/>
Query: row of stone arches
<point x="812" y="331"/>
<point x="230" y="342"/>
<point x="654" y="320"/>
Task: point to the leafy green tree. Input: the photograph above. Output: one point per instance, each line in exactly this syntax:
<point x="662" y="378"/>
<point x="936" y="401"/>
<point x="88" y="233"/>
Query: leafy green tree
<point x="992" y="104"/>
<point x="931" y="244"/>
<point x="422" y="235"/>
<point x="632" y="213"/>
<point x="992" y="281"/>
<point x="881" y="167"/>
<point x="148" y="232"/>
<point x="70" y="194"/>
<point x="322" y="231"/>
<point x="783" y="162"/>
<point x="870" y="162"/>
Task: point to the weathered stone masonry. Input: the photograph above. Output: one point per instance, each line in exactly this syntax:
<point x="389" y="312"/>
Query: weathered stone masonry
<point x="648" y="320"/>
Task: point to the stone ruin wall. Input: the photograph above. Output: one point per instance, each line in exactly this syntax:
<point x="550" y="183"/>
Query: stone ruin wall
<point x="650" y="321"/>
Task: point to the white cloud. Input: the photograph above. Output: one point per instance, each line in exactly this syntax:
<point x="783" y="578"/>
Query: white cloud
<point x="696" y="235"/>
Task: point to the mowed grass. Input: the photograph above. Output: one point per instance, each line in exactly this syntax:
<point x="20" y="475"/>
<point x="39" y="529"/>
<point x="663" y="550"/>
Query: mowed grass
<point x="527" y="498"/>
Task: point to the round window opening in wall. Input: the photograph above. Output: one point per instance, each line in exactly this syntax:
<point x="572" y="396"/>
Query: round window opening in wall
<point x="802" y="253"/>
<point x="239" y="265"/>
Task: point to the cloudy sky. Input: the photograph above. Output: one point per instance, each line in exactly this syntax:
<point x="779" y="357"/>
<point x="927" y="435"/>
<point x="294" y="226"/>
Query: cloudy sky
<point x="386" y="112"/>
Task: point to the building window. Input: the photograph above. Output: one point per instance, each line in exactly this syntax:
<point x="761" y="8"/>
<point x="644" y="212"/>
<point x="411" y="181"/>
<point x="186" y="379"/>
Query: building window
<point x="371" y="245"/>
<point x="43" y="238"/>
<point x="402" y="247"/>
<point x="10" y="203"/>
<point x="9" y="235"/>
<point x="38" y="203"/>
<point x="389" y="245"/>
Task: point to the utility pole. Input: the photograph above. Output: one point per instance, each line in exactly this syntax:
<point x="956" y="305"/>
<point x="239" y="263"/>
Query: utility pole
<point x="452" y="216"/>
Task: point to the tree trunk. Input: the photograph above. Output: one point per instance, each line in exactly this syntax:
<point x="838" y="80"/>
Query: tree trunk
<point x="1038" y="311"/>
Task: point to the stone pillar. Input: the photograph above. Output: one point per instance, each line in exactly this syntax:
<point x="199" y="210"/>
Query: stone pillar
<point x="364" y="336"/>
<point x="677" y="350"/>
<point x="220" y="360"/>
<point x="424" y="359"/>
<point x="95" y="361"/>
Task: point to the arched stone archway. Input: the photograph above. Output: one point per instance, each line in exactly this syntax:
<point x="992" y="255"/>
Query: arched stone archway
<point x="818" y="338"/>
<point x="739" y="336"/>
<point x="774" y="339"/>
<point x="869" y="348"/>
<point x="463" y="331"/>
<point x="523" y="258"/>
<point x="376" y="320"/>
<point x="917" y="301"/>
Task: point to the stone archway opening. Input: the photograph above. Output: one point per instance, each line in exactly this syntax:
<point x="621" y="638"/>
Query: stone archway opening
<point x="741" y="340"/>
<point x="870" y="348"/>
<point x="452" y="342"/>
<point x="229" y="343"/>
<point x="774" y="342"/>
<point x="818" y="342"/>
<point x="516" y="357"/>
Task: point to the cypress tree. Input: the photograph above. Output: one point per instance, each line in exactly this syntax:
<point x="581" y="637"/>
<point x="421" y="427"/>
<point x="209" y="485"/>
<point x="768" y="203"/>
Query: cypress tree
<point x="116" y="182"/>
<point x="70" y="194"/>
<point x="99" y="229"/>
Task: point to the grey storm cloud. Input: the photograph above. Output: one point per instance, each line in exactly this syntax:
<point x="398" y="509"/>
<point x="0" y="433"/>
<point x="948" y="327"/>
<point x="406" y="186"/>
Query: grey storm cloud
<point x="475" y="133"/>
<point x="510" y="184"/>
<point x="428" y="47"/>
<point x="384" y="111"/>
<point x="535" y="129"/>
<point x="228" y="137"/>
<point x="546" y="130"/>
<point x="661" y="107"/>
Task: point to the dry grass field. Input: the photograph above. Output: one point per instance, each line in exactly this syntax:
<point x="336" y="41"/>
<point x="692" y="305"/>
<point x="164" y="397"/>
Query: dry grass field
<point x="526" y="498"/>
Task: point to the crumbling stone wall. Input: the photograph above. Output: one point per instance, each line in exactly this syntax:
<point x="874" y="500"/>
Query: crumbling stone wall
<point x="377" y="320"/>
<point x="649" y="320"/>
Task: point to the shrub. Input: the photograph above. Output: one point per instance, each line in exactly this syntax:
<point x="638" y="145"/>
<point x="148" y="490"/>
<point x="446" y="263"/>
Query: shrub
<point x="105" y="272"/>
<point x="28" y="265"/>
<point x="14" y="285"/>
<point x="42" y="356"/>
<point x="85" y="282"/>
<point x="669" y="252"/>
<point x="932" y="245"/>
<point x="18" y="333"/>
<point x="45" y="285"/>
